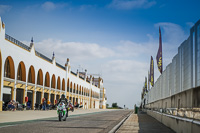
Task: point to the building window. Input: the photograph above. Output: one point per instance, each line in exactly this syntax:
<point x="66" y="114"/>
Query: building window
<point x="7" y="69"/>
<point x="38" y="79"/>
<point x="46" y="81"/>
<point x="30" y="76"/>
<point x="19" y="76"/>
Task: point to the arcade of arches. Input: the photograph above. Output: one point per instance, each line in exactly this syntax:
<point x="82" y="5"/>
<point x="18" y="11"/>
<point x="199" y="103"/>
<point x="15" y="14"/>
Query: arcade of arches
<point x="34" y="87"/>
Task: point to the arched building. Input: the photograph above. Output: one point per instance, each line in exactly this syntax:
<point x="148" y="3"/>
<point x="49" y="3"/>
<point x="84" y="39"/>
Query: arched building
<point x="25" y="72"/>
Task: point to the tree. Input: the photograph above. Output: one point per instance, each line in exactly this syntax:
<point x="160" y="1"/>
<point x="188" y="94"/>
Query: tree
<point x="114" y="105"/>
<point x="107" y="105"/>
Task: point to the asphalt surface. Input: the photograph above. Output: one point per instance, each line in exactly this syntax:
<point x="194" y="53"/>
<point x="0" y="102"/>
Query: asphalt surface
<point x="101" y="122"/>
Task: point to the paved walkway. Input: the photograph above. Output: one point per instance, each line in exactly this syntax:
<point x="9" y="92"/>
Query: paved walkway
<point x="15" y="116"/>
<point x="143" y="123"/>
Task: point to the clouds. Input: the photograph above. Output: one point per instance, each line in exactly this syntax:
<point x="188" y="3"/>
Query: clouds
<point x="49" y="6"/>
<point x="133" y="49"/>
<point x="172" y="35"/>
<point x="125" y="70"/>
<point x="124" y="65"/>
<point x="131" y="4"/>
<point x="77" y="51"/>
<point x="4" y="8"/>
<point x="115" y="4"/>
<point x="173" y="32"/>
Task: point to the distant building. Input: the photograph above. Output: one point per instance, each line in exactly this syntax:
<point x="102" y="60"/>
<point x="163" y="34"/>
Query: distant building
<point x="27" y="74"/>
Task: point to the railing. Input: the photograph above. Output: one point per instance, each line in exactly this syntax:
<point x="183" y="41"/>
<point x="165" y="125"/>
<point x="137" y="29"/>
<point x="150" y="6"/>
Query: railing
<point x="42" y="56"/>
<point x="28" y="48"/>
<point x="190" y="113"/>
<point x="16" y="42"/>
<point x="9" y="79"/>
<point x="81" y="77"/>
<point x="73" y="73"/>
<point x="60" y="66"/>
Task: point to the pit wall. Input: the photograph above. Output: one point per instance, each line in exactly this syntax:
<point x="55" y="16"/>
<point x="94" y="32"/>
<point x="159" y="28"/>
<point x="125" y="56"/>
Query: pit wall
<point x="180" y="112"/>
<point x="186" y="99"/>
<point x="178" y="124"/>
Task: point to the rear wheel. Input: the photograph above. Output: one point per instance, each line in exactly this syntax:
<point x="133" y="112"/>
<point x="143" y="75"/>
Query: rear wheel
<point x="64" y="118"/>
<point x="60" y="116"/>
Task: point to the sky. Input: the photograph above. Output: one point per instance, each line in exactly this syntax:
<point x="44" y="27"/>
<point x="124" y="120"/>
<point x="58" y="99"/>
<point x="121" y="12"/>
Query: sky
<point x="114" y="38"/>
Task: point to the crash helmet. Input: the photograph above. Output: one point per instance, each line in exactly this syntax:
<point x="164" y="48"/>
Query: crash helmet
<point x="63" y="96"/>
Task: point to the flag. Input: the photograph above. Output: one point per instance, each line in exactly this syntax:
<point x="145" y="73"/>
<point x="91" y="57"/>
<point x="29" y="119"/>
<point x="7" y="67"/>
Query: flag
<point x="145" y="85"/>
<point x="152" y="72"/>
<point x="148" y="81"/>
<point x="159" y="54"/>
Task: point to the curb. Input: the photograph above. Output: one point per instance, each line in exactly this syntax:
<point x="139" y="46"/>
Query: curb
<point x="119" y="124"/>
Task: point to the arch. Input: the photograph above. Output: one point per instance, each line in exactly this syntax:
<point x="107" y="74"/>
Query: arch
<point x="31" y="75"/>
<point x="74" y="88"/>
<point x="9" y="68"/>
<point x="40" y="77"/>
<point x="71" y="87"/>
<point x="53" y="81"/>
<point x="0" y="78"/>
<point x="47" y="80"/>
<point x="77" y="89"/>
<point x="21" y="72"/>
<point x="58" y="83"/>
<point x="63" y="84"/>
<point x="68" y="85"/>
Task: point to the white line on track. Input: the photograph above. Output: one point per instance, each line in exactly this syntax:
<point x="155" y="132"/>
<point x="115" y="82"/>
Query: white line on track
<point x="7" y="126"/>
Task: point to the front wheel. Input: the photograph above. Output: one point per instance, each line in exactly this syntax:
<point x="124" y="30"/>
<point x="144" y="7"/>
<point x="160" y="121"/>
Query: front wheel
<point x="60" y="116"/>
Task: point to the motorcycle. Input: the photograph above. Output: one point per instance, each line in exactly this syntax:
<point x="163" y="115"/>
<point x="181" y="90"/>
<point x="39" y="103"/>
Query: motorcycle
<point x="62" y="111"/>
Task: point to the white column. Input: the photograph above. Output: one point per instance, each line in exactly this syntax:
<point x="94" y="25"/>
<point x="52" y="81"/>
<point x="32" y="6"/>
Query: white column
<point x="34" y="97"/>
<point x="1" y="87"/>
<point x="49" y="96"/>
<point x="42" y="92"/>
<point x="55" y="97"/>
<point x="15" y="83"/>
<point x="69" y="88"/>
<point x="25" y="93"/>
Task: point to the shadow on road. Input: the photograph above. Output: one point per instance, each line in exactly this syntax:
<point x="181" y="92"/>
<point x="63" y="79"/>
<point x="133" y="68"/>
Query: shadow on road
<point x="148" y="124"/>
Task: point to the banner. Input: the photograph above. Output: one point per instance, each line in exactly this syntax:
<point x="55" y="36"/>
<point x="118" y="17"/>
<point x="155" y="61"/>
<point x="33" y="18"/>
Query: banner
<point x="159" y="54"/>
<point x="148" y="81"/>
<point x="145" y="85"/>
<point x="152" y="72"/>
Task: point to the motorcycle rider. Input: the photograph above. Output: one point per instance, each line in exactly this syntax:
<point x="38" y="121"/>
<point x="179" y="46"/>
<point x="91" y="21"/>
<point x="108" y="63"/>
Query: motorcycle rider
<point x="65" y="101"/>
